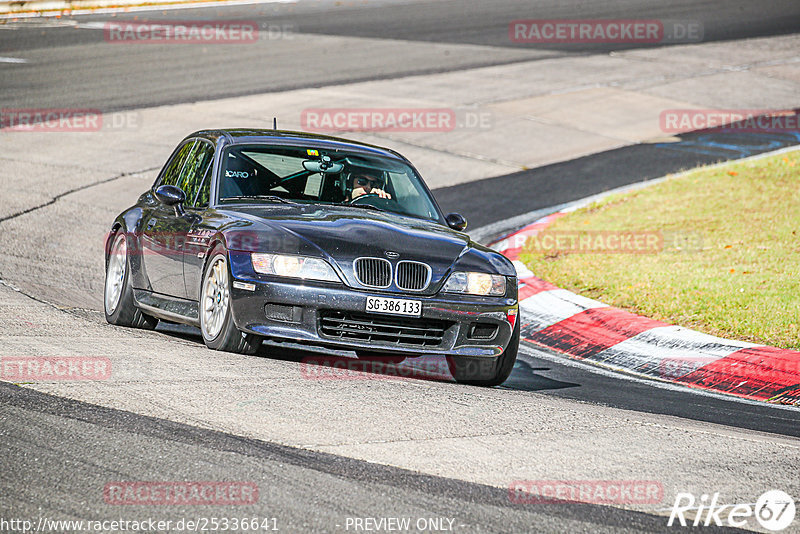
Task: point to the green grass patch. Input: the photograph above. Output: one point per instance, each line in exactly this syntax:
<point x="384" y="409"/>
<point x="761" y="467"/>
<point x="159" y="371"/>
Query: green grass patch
<point x="727" y="260"/>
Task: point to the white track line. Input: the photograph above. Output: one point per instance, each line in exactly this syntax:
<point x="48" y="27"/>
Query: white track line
<point x="12" y="60"/>
<point x="527" y="349"/>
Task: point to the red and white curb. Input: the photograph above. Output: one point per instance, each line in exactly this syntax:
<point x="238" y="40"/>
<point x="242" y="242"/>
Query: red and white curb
<point x="590" y="330"/>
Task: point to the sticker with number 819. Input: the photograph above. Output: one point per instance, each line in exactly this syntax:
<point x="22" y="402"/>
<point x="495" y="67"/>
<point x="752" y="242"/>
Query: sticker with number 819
<point x="412" y="308"/>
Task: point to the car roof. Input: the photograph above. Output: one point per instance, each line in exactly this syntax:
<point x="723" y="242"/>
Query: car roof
<point x="242" y="136"/>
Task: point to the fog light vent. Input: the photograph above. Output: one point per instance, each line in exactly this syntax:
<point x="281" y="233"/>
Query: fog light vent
<point x="482" y="331"/>
<point x="286" y="314"/>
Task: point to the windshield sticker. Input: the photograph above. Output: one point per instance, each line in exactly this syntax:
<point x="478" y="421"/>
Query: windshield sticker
<point x="312" y="152"/>
<point x="236" y="174"/>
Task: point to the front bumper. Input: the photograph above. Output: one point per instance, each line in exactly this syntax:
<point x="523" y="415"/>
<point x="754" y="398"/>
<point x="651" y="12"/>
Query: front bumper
<point x="296" y="309"/>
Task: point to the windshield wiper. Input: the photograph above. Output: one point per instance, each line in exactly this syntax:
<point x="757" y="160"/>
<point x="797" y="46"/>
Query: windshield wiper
<point x="272" y="198"/>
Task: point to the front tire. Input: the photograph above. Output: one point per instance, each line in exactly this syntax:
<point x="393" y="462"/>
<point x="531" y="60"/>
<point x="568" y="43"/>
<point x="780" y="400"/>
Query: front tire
<point x="216" y="317"/>
<point x="486" y="372"/>
<point x="118" y="301"/>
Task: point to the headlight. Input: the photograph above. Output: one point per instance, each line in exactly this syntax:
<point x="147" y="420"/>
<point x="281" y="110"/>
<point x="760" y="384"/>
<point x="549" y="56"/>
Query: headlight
<point x="294" y="267"/>
<point x="476" y="284"/>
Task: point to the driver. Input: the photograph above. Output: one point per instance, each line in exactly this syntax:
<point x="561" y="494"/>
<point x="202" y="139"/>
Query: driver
<point x="366" y="183"/>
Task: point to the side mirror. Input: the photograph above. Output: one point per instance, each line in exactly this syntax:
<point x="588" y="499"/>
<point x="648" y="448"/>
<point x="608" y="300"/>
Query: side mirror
<point x="171" y="195"/>
<point x="456" y="221"/>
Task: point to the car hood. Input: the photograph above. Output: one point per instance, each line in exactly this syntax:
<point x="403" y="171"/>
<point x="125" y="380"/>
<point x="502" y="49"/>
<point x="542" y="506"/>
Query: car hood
<point x="342" y="234"/>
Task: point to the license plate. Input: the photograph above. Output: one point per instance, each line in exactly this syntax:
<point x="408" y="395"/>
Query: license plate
<point x="412" y="308"/>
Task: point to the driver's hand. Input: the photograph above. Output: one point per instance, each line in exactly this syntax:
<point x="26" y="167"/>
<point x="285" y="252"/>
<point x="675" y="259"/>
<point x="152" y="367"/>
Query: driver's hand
<point x="358" y="191"/>
<point x="381" y="193"/>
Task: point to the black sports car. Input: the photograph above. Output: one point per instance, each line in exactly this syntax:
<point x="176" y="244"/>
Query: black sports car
<point x="253" y="234"/>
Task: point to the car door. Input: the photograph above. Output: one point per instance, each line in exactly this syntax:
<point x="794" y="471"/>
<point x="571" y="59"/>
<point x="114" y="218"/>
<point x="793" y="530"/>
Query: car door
<point x="196" y="182"/>
<point x="164" y="231"/>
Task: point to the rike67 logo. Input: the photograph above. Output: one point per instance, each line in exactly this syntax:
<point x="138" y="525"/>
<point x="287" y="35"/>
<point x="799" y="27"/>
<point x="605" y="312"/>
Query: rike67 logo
<point x="774" y="510"/>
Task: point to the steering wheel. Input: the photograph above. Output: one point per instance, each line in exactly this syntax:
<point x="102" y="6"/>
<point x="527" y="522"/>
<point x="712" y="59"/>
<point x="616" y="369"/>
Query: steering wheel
<point x="365" y="195"/>
<point x="373" y="199"/>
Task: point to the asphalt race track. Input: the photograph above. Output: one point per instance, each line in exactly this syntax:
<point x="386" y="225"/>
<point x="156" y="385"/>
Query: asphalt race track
<point x="305" y="490"/>
<point x="447" y="35"/>
<point x="324" y="453"/>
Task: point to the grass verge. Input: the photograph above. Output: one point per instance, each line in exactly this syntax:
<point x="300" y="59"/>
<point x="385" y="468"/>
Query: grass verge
<point x="717" y="250"/>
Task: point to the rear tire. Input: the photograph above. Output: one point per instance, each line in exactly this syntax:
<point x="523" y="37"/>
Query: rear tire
<point x="486" y="372"/>
<point x="216" y="316"/>
<point x="118" y="303"/>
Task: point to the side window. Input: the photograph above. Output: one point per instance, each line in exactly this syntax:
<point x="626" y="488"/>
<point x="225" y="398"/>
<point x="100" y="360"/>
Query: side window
<point x="205" y="190"/>
<point x="197" y="163"/>
<point x="173" y="172"/>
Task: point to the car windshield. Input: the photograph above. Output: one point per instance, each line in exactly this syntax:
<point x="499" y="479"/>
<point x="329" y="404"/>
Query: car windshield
<point x="310" y="175"/>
